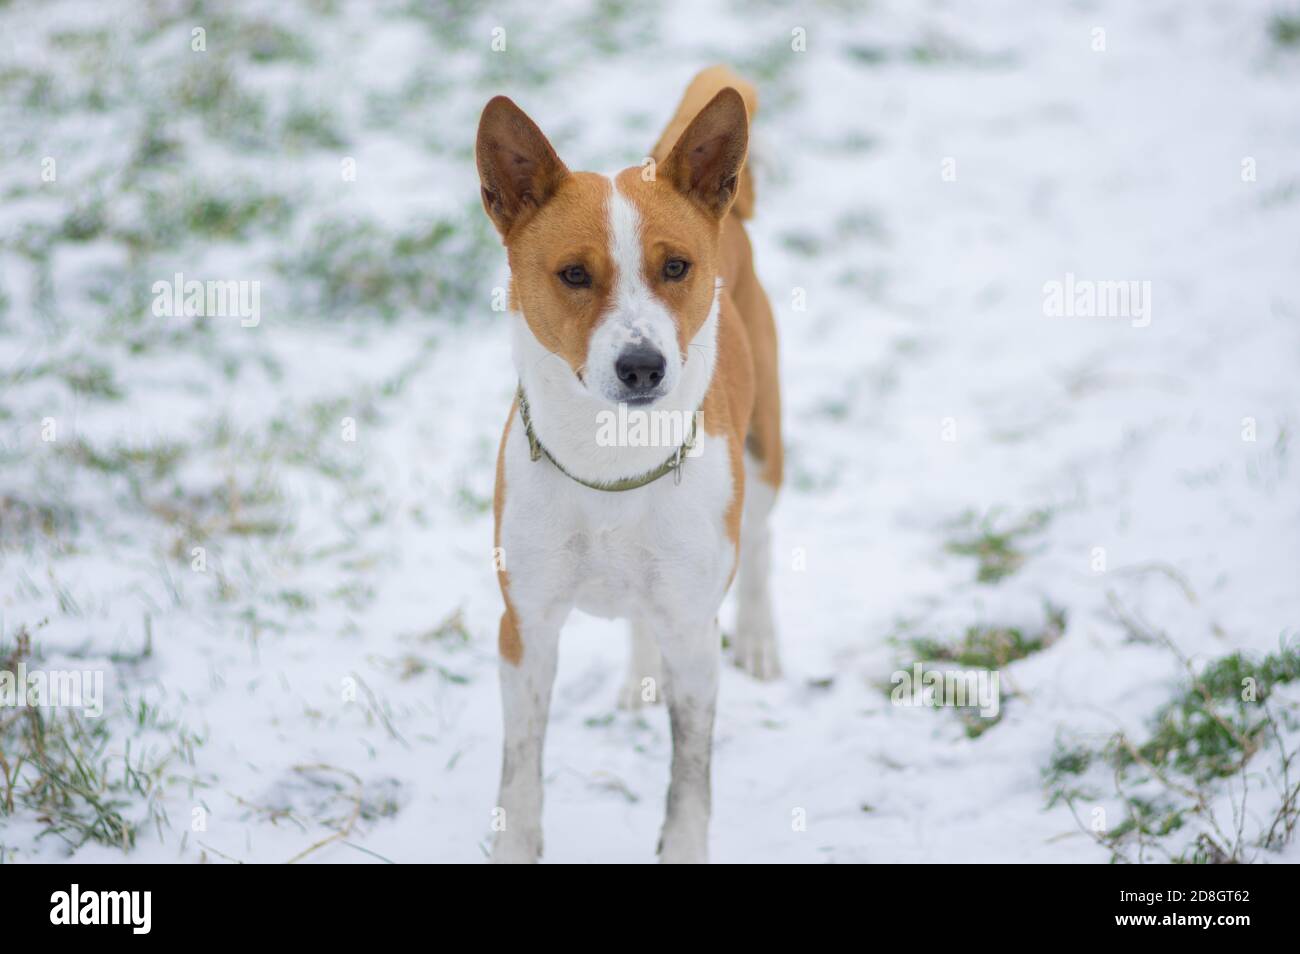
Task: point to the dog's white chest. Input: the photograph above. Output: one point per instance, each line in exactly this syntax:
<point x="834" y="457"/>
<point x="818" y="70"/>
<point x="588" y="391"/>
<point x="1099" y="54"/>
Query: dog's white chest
<point x="616" y="570"/>
<point x="658" y="549"/>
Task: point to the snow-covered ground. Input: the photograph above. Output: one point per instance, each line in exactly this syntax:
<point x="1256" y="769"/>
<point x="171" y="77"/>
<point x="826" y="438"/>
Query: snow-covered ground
<point x="322" y="611"/>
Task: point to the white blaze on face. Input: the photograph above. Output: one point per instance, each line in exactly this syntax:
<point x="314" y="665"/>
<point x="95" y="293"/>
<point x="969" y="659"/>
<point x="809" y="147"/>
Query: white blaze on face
<point x="635" y="316"/>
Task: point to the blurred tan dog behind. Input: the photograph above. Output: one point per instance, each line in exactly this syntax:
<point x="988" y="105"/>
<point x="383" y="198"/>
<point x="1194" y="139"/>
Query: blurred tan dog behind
<point x="642" y="454"/>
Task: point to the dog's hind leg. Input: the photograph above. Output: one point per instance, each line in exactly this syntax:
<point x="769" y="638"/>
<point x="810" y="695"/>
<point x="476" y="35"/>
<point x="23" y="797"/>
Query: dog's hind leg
<point x="525" y="700"/>
<point x="643" y="684"/>
<point x="755" y="643"/>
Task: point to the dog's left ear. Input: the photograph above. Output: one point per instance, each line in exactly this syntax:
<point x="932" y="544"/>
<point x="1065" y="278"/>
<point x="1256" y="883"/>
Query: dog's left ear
<point x="517" y="167"/>
<point x="706" y="162"/>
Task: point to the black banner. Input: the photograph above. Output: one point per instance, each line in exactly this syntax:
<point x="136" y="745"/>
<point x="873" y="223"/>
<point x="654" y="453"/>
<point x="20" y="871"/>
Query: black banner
<point x="142" y="903"/>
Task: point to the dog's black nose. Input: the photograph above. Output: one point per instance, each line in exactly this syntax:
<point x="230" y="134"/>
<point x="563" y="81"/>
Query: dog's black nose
<point x="640" y="368"/>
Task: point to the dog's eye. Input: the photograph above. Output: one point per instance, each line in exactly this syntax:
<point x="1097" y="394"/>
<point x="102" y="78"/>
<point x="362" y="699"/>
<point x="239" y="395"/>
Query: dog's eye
<point x="575" y="276"/>
<point x="675" y="269"/>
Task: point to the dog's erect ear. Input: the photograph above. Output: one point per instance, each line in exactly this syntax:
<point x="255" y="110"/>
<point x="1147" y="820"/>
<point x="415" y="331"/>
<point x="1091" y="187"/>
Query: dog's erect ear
<point x="517" y="167"/>
<point x="706" y="162"/>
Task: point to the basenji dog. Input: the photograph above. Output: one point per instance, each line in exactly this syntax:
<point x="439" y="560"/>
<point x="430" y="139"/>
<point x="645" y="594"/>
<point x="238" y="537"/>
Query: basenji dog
<point x="633" y="299"/>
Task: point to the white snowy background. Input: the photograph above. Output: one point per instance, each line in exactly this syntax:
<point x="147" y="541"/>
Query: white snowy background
<point x="332" y="563"/>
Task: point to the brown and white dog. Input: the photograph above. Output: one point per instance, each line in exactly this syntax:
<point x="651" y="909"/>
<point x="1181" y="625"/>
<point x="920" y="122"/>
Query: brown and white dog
<point x="635" y="289"/>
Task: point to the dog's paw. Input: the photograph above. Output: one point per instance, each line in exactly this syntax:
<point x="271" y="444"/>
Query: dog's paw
<point x="516" y="849"/>
<point x="680" y="847"/>
<point x="756" y="652"/>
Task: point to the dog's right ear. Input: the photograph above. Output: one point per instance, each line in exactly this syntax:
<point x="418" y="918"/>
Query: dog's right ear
<point x="706" y="162"/>
<point x="517" y="167"/>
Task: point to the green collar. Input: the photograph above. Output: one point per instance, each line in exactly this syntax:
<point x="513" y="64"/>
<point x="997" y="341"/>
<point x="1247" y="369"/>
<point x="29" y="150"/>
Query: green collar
<point x="673" y="464"/>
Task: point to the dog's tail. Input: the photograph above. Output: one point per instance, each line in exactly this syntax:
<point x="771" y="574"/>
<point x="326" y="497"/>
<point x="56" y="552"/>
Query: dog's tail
<point x="704" y="87"/>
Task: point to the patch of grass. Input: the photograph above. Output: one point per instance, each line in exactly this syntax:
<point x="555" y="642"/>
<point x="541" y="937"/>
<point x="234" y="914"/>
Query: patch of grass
<point x="146" y="461"/>
<point x="23" y="519"/>
<point x="38" y="91"/>
<point x="164" y="211"/>
<point x="216" y="216"/>
<point x="80" y="41"/>
<point x="980" y="648"/>
<point x="802" y="243"/>
<point x="307" y="126"/>
<point x="934" y="49"/>
<point x="412" y="665"/>
<point x="246" y="507"/>
<point x="452" y="629"/>
<point x="91" y="378"/>
<point x="361" y="269"/>
<point x="861" y="224"/>
<point x="983" y="646"/>
<point x="176" y="214"/>
<point x="86" y="376"/>
<point x="948" y="687"/>
<point x="471" y="503"/>
<point x="939" y="49"/>
<point x="326" y="795"/>
<point x="355" y="595"/>
<point x="263" y="41"/>
<point x="139" y="468"/>
<point x="998" y="547"/>
<point x="74" y="775"/>
<point x="423" y="86"/>
<point x="1284" y="29"/>
<point x="617" y="24"/>
<point x="1067" y="760"/>
<point x="207" y="87"/>
<point x="974" y="723"/>
<point x="867" y="54"/>
<point x="296" y="600"/>
<point x="450" y="634"/>
<point x="1223" y="732"/>
<point x="85" y="222"/>
<point x="312" y="437"/>
<point x="1209" y="731"/>
<point x="154" y="145"/>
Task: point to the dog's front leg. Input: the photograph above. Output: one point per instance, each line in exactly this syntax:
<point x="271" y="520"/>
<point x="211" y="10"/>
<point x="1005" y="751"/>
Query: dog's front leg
<point x="525" y="701"/>
<point x="690" y="662"/>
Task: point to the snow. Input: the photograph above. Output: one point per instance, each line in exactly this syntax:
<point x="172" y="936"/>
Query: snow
<point x="924" y="312"/>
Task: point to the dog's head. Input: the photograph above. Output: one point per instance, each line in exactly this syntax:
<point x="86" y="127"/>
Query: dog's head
<point x="615" y="275"/>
